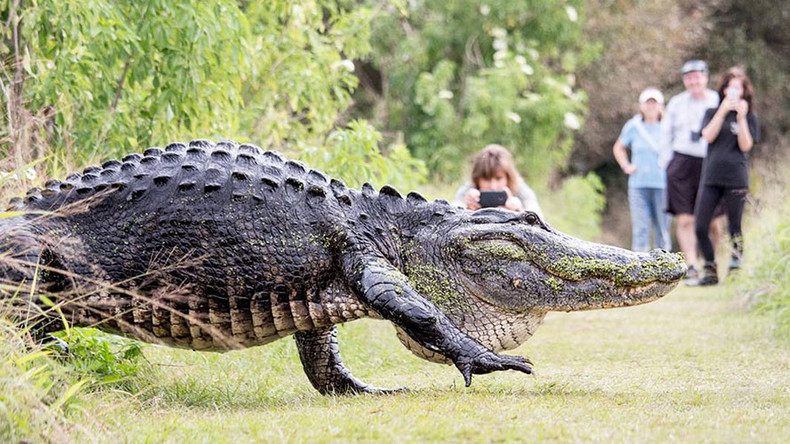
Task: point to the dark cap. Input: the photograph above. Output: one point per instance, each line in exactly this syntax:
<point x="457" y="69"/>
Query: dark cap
<point x="694" y="65"/>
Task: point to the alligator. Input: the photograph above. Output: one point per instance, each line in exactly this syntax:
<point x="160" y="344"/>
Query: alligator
<point x="220" y="246"/>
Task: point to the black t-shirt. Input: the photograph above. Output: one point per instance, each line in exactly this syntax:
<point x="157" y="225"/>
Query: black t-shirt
<point x="726" y="165"/>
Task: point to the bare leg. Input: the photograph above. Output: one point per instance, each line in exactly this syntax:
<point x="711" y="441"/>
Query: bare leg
<point x="716" y="231"/>
<point x="686" y="238"/>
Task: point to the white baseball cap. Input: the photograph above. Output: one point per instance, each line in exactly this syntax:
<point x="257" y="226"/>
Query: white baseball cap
<point x="651" y="93"/>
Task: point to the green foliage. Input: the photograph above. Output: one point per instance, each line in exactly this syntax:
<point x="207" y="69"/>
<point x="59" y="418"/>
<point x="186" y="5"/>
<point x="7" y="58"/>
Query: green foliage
<point x="767" y="261"/>
<point x="353" y="155"/>
<point x="37" y="394"/>
<point x="301" y="72"/>
<point x="460" y="75"/>
<point x="100" y="79"/>
<point x="576" y="207"/>
<point x="125" y="74"/>
<point x="106" y="358"/>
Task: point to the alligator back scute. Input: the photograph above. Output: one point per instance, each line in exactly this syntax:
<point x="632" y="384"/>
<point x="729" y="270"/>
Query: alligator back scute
<point x="231" y="169"/>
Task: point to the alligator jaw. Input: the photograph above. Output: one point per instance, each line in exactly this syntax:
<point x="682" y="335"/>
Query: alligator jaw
<point x="523" y="266"/>
<point x="612" y="297"/>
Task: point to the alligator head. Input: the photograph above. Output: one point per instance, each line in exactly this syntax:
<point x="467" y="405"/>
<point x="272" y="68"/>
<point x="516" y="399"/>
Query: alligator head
<point x="496" y="274"/>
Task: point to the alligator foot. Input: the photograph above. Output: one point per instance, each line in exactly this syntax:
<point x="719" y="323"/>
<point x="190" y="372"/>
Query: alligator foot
<point x="490" y="362"/>
<point x="324" y="368"/>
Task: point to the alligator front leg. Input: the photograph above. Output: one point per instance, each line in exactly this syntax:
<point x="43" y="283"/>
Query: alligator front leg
<point x="321" y="361"/>
<point x="386" y="290"/>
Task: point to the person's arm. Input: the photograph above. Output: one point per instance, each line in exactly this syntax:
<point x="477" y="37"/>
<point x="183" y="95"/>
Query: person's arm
<point x="665" y="154"/>
<point x="467" y="197"/>
<point x="513" y="202"/>
<point x="621" y="156"/>
<point x="460" y="195"/>
<point x="711" y="129"/>
<point x="745" y="140"/>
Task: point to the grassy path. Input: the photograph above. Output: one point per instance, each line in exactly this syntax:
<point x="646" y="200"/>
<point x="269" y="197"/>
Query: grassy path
<point x="690" y="367"/>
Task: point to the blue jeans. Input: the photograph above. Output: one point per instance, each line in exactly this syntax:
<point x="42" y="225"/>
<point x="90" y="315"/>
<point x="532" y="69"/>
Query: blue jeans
<point x="647" y="209"/>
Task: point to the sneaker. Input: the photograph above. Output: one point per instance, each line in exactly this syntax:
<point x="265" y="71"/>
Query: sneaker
<point x="735" y="263"/>
<point x="692" y="274"/>
<point x="710" y="276"/>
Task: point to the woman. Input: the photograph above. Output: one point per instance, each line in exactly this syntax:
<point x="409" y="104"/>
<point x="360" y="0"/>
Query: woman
<point x="647" y="181"/>
<point x="494" y="170"/>
<point x="731" y="131"/>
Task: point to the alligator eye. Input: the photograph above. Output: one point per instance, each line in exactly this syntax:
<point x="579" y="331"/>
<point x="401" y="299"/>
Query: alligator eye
<point x="532" y="218"/>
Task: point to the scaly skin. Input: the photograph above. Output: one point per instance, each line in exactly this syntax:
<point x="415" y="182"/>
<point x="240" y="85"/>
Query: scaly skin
<point x="216" y="247"/>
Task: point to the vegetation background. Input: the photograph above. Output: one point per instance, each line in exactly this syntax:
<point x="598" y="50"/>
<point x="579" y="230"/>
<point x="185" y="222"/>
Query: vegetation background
<point x="384" y="91"/>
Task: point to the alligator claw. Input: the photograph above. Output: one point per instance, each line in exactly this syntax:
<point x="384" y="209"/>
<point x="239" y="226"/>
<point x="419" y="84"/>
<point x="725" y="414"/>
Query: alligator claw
<point x="381" y="391"/>
<point x="491" y="362"/>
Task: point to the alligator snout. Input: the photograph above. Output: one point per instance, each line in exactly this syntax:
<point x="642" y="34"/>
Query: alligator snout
<point x="672" y="266"/>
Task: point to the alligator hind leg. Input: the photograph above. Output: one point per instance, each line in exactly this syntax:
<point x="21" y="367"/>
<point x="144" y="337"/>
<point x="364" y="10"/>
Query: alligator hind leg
<point x="321" y="361"/>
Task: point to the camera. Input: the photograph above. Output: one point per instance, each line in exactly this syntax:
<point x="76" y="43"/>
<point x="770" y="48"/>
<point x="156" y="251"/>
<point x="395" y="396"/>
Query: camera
<point x="490" y="199"/>
<point x="695" y="136"/>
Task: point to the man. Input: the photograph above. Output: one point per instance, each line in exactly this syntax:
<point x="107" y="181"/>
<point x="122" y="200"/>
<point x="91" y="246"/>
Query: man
<point x="683" y="150"/>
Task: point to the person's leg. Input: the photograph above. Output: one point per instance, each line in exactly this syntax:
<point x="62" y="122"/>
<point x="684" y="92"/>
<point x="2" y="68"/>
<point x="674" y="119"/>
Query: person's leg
<point x="736" y="200"/>
<point x="683" y="176"/>
<point x="686" y="238"/>
<point x="708" y="199"/>
<point x="660" y="218"/>
<point x="715" y="230"/>
<point x="706" y="205"/>
<point x="640" y="218"/>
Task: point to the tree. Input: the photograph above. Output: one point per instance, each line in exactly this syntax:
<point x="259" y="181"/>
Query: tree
<point x="87" y="80"/>
<point x="451" y="77"/>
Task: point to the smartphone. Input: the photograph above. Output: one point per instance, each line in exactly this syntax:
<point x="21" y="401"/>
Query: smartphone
<point x="490" y="199"/>
<point x="733" y="93"/>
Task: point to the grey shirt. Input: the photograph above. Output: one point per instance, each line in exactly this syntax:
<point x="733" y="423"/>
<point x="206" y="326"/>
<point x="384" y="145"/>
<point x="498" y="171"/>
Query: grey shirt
<point x="524" y="192"/>
<point x="683" y="117"/>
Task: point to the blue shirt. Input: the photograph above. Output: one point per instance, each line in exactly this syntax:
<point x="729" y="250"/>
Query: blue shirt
<point x="644" y="154"/>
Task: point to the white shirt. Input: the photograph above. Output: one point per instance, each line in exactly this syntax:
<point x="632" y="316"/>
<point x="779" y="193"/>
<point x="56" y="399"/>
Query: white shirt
<point x="684" y="116"/>
<point x="528" y="197"/>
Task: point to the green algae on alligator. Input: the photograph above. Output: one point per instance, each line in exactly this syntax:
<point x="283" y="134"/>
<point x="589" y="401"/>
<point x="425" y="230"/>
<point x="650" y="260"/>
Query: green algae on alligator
<point x="222" y="246"/>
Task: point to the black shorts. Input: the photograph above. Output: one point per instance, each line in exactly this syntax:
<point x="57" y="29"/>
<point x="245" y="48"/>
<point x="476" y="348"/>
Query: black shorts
<point x="683" y="177"/>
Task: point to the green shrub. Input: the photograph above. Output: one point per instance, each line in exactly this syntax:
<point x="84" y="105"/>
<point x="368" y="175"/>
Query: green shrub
<point x="767" y="264"/>
<point x="36" y="392"/>
<point x="353" y="155"/>
<point x="576" y="207"/>
<point x="102" y="357"/>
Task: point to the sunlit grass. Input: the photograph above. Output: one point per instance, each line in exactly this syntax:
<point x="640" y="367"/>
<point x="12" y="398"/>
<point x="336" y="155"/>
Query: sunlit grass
<point x="691" y="367"/>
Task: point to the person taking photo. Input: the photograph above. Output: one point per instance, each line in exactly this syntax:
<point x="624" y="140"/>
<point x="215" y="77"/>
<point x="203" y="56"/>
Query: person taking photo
<point x="731" y="130"/>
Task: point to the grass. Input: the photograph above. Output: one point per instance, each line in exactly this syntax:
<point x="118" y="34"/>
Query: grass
<point x="765" y="283"/>
<point x="690" y="367"/>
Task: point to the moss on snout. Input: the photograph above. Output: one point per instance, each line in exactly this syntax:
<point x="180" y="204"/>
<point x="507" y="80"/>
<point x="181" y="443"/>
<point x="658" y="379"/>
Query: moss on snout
<point x="577" y="268"/>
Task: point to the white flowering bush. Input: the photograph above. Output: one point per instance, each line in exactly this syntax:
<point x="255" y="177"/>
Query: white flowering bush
<point x="461" y="75"/>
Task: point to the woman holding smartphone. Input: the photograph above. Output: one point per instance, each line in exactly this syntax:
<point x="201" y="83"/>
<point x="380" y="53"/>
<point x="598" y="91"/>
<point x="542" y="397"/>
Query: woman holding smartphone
<point x="731" y="131"/>
<point x="495" y="182"/>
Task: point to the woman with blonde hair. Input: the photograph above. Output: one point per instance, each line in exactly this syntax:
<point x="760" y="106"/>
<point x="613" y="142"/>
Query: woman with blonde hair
<point x="647" y="181"/>
<point x="495" y="170"/>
